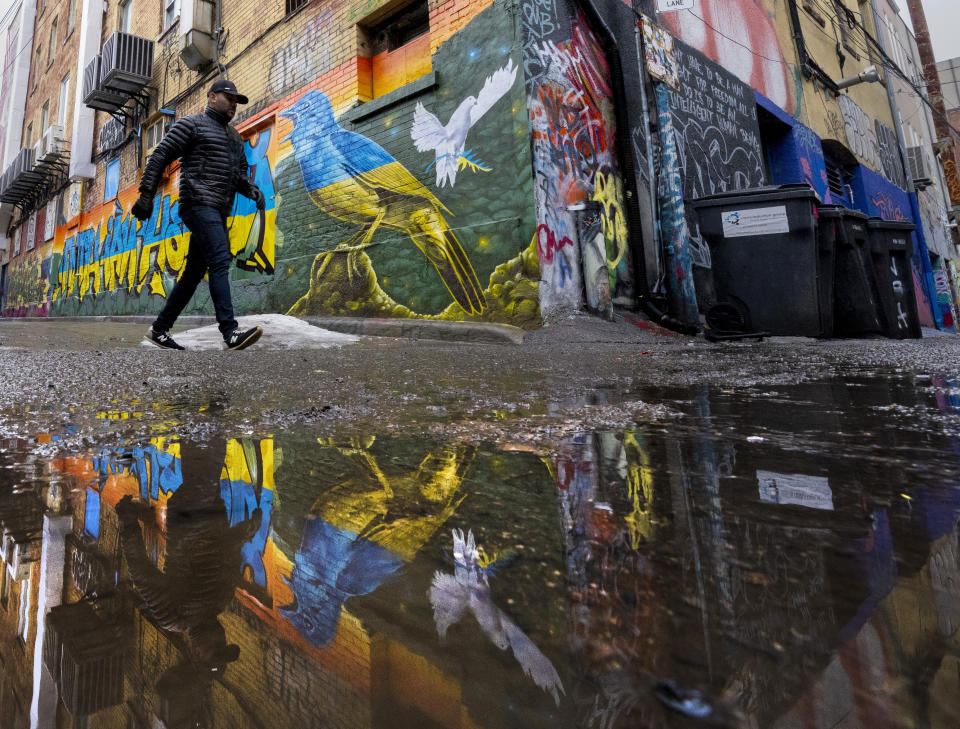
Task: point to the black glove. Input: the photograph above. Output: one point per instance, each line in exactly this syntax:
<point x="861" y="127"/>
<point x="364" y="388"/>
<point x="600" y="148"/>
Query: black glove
<point x="142" y="208"/>
<point x="257" y="196"/>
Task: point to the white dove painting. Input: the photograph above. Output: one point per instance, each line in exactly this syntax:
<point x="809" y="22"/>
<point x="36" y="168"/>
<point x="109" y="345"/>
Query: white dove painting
<point x="449" y="142"/>
<point x="466" y="590"/>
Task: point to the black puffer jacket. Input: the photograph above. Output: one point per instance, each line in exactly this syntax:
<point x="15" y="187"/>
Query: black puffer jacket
<point x="213" y="166"/>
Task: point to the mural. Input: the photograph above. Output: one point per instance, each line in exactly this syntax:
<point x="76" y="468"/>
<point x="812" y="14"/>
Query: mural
<point x="362" y="217"/>
<point x="449" y="142"/>
<point x="351" y="177"/>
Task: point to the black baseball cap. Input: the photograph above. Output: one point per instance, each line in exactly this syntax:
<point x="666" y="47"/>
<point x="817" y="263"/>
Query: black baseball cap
<point x="228" y="87"/>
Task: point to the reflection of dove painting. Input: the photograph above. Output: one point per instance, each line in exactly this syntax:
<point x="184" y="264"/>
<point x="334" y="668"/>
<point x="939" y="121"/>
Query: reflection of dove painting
<point x="448" y="141"/>
<point x="467" y="589"/>
<point x="355" y="179"/>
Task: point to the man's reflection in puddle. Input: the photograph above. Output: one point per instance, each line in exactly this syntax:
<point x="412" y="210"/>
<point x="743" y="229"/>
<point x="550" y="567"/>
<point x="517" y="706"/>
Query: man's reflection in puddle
<point x="202" y="565"/>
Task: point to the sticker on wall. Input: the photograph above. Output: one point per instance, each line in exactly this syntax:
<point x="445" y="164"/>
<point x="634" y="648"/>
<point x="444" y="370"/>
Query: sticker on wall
<point x="756" y="221"/>
<point x="661" y="63"/>
<point x="665" y="6"/>
<point x="449" y="142"/>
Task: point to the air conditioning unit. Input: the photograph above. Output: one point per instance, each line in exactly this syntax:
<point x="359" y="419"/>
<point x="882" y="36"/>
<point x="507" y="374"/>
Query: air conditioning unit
<point x="127" y="64"/>
<point x="94" y="94"/>
<point x="50" y="145"/>
<point x="197" y="44"/>
<point x="84" y="653"/>
<point x="20" y="551"/>
<point x="917" y="162"/>
<point x="23" y="178"/>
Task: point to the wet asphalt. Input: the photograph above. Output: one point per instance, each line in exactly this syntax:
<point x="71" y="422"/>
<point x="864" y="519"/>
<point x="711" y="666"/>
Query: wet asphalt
<point x="578" y="372"/>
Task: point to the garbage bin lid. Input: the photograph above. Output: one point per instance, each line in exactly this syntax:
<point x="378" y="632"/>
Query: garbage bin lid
<point x="768" y="194"/>
<point x="890" y="224"/>
<point x="831" y="211"/>
<point x="834" y="211"/>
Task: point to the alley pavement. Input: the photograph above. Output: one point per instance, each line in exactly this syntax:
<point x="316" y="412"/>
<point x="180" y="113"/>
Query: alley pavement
<point x="470" y="383"/>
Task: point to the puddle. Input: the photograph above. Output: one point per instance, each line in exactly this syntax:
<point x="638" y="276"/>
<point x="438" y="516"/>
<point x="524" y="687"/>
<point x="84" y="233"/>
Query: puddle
<point x="773" y="557"/>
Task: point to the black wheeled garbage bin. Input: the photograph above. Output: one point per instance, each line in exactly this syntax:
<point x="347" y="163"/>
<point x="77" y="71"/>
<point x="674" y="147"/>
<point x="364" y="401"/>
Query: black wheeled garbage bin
<point x="855" y="311"/>
<point x="766" y="258"/>
<point x="890" y="251"/>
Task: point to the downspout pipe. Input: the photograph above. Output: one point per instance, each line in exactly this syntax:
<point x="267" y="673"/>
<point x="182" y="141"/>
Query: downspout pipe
<point x="924" y="251"/>
<point x="644" y="294"/>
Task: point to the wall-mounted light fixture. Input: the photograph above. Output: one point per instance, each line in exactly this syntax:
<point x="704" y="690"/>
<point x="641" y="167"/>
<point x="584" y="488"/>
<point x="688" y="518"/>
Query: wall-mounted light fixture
<point x="868" y="75"/>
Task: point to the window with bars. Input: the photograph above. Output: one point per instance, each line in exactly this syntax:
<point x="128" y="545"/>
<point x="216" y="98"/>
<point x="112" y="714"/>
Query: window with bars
<point x="293" y="5"/>
<point x="847" y="27"/>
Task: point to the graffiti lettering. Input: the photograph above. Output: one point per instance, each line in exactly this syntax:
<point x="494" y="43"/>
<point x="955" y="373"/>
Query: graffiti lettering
<point x="302" y="58"/>
<point x="112" y="135"/>
<point x="888" y="151"/>
<point x="887" y="207"/>
<point x="547" y="244"/>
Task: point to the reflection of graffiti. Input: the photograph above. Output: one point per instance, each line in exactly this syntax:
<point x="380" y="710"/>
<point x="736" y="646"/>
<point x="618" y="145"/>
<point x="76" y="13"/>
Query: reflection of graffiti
<point x="302" y="58"/>
<point x="887" y="207"/>
<point x="448" y="142"/>
<point x="468" y="590"/>
<point x="748" y="43"/>
<point x="354" y="179"/>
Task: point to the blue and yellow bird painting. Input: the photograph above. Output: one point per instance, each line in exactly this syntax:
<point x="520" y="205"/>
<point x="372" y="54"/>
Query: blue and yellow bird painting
<point x="352" y="178"/>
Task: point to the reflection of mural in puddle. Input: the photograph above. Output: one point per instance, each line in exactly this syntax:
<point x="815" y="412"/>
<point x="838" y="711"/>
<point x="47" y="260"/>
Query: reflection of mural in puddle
<point x="468" y="590"/>
<point x="356" y="537"/>
<point x="641" y="556"/>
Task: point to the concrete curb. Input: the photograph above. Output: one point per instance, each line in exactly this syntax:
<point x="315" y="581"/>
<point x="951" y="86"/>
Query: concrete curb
<point x="450" y="331"/>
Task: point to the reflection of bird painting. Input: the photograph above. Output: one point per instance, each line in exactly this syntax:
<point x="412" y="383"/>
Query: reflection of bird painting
<point x="468" y="589"/>
<point x="449" y="141"/>
<point x="353" y="178"/>
<point x="356" y="538"/>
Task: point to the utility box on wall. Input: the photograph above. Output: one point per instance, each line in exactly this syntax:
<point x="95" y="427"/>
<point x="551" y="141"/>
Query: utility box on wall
<point x="197" y="44"/>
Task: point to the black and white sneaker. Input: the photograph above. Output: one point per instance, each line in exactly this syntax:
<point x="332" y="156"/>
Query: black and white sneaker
<point x="161" y="339"/>
<point x="241" y="339"/>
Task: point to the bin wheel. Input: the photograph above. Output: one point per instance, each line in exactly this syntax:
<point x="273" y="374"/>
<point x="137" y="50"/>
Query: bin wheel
<point x="728" y="316"/>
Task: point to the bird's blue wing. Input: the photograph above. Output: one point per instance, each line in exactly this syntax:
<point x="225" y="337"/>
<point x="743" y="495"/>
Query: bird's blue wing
<point x="361" y="154"/>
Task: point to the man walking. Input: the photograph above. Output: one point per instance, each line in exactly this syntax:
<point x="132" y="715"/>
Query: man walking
<point x="213" y="168"/>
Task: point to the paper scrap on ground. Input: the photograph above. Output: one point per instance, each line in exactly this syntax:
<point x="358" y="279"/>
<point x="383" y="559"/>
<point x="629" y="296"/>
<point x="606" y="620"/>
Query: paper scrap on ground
<point x="279" y="332"/>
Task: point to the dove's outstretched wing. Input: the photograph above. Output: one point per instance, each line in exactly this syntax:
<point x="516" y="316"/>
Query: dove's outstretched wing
<point x="497" y="84"/>
<point x="427" y="131"/>
<point x="536" y="665"/>
<point x="449" y="598"/>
